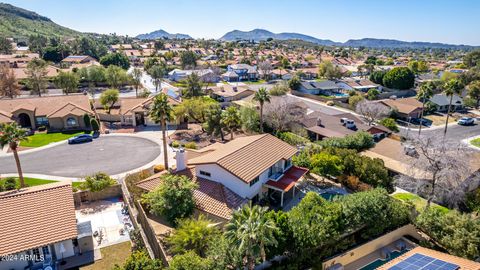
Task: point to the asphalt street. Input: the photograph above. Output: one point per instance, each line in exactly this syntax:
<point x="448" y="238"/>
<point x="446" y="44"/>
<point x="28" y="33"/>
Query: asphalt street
<point x="109" y="154"/>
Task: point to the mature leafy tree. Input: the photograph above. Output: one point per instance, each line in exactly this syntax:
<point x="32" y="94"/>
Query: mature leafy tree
<point x="162" y="112"/>
<point x="37" y="73"/>
<point x="173" y="198"/>
<point x="294" y="82"/>
<point x="157" y="72"/>
<point x="261" y="96"/>
<point x="150" y="62"/>
<point x="5" y="46"/>
<point x="193" y="86"/>
<point x="98" y="182"/>
<point x="354" y="100"/>
<point x="8" y="83"/>
<point x="251" y="231"/>
<point x="418" y="66"/>
<point x="188" y="59"/>
<point x="214" y="124"/>
<point x="89" y="46"/>
<point x="472" y="58"/>
<point x="115" y="76"/>
<point x="329" y="71"/>
<point x="53" y="54"/>
<point x="108" y="98"/>
<point x="11" y="134"/>
<point x="458" y="233"/>
<point x="377" y="76"/>
<point x="37" y="43"/>
<point x="189" y="261"/>
<point x="399" y="78"/>
<point x="93" y="75"/>
<point x="139" y="260"/>
<point x="371" y="59"/>
<point x="231" y="120"/>
<point x="68" y="81"/>
<point x="326" y="164"/>
<point x="195" y="108"/>
<point x="371" y="171"/>
<point x="424" y="94"/>
<point x="474" y="92"/>
<point x="192" y="235"/>
<point x="137" y="79"/>
<point x="250" y="119"/>
<point x="117" y="59"/>
<point x="359" y="141"/>
<point x="372" y="94"/>
<point x="452" y="87"/>
<point x="390" y="123"/>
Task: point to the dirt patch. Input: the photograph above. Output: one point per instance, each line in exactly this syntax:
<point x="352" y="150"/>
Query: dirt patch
<point x="194" y="133"/>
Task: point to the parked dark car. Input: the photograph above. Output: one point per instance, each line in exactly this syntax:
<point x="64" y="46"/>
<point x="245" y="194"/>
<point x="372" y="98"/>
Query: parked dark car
<point x="466" y="121"/>
<point x="80" y="139"/>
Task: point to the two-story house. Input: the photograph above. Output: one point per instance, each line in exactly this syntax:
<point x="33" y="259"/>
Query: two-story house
<point x="231" y="174"/>
<point x="240" y="72"/>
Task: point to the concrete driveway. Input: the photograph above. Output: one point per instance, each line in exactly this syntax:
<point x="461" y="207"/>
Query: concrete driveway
<point x="109" y="154"/>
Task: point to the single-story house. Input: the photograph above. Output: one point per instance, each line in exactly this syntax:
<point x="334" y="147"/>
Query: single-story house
<point x="442" y="101"/>
<point x="228" y="93"/>
<point x="204" y="74"/>
<point x="39" y="228"/>
<point x="78" y="59"/>
<point x="16" y="60"/>
<point x="326" y="87"/>
<point x="54" y="112"/>
<point x="320" y="125"/>
<point x="132" y="112"/>
<point x="405" y="107"/>
<point x="362" y="85"/>
<point x="308" y="73"/>
<point x="281" y="74"/>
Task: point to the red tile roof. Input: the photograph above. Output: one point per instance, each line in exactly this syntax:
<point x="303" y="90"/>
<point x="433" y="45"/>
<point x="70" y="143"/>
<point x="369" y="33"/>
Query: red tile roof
<point x="36" y="216"/>
<point x="289" y="179"/>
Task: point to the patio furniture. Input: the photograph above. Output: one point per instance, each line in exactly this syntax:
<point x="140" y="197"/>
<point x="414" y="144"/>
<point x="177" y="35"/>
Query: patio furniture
<point x="47" y="261"/>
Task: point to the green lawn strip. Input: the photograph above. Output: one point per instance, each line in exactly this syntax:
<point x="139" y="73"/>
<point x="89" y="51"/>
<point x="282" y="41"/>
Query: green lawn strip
<point x="475" y="142"/>
<point x="41" y="139"/>
<point x="111" y="255"/>
<point x="31" y="181"/>
<point x="418" y="202"/>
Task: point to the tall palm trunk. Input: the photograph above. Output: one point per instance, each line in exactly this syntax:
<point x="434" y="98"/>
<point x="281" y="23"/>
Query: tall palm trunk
<point x="164" y="137"/>
<point x="421" y="117"/>
<point x="261" y="117"/>
<point x="448" y="116"/>
<point x="13" y="146"/>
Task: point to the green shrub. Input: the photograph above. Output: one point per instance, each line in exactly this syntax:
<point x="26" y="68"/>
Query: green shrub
<point x="10" y="183"/>
<point x="42" y="128"/>
<point x="292" y="138"/>
<point x="390" y="124"/>
<point x="359" y="141"/>
<point x="87" y="120"/>
<point x="158" y="168"/>
<point x="191" y="145"/>
<point x="97" y="182"/>
<point x="175" y="144"/>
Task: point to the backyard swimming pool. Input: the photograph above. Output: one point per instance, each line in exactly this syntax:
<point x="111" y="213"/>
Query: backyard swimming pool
<point x="377" y="263"/>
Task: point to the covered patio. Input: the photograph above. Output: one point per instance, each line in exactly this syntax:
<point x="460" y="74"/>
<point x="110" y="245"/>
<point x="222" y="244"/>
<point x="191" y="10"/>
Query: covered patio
<point x="286" y="183"/>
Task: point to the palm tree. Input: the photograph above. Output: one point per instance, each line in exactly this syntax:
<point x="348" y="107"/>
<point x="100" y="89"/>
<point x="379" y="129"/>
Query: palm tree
<point x="425" y="93"/>
<point x="162" y="112"/>
<point x="452" y="87"/>
<point x="137" y="79"/>
<point x="262" y="96"/>
<point x="250" y="231"/>
<point x="231" y="120"/>
<point x="157" y="72"/>
<point x="193" y="86"/>
<point x="12" y="135"/>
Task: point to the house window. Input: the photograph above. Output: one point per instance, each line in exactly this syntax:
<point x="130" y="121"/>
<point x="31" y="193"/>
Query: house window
<point x="204" y="173"/>
<point x="45" y="250"/>
<point x="288" y="162"/>
<point x="41" y="121"/>
<point x="254" y="181"/>
<point x="36" y="254"/>
<point x="71" y="122"/>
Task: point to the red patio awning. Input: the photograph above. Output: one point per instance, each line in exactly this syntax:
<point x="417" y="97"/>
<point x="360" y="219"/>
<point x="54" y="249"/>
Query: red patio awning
<point x="288" y="180"/>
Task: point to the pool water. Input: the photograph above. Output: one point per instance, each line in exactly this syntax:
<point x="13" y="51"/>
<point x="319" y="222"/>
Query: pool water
<point x="377" y="263"/>
<point x="330" y="196"/>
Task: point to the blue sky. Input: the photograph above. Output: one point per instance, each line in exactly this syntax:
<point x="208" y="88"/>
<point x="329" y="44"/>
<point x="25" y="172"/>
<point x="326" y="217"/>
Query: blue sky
<point x="454" y="21"/>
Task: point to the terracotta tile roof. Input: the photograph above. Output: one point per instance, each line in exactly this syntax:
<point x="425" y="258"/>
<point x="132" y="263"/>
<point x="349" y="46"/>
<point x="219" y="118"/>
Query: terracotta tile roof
<point x="36" y="216"/>
<point x="463" y="263"/>
<point x="69" y="109"/>
<point x="47" y="105"/>
<point x="289" y="179"/>
<point x="210" y="197"/>
<point x="247" y="157"/>
<point x="129" y="105"/>
<point x="228" y="90"/>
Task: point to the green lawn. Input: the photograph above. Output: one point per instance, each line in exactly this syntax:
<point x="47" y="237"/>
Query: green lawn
<point x="111" y="255"/>
<point x="31" y="181"/>
<point x="475" y="142"/>
<point x="41" y="139"/>
<point x="417" y="201"/>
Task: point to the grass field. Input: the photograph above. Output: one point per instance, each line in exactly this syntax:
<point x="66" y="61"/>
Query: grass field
<point x="31" y="181"/>
<point x="417" y="201"/>
<point x="41" y="139"/>
<point x="111" y="255"/>
<point x="475" y="142"/>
